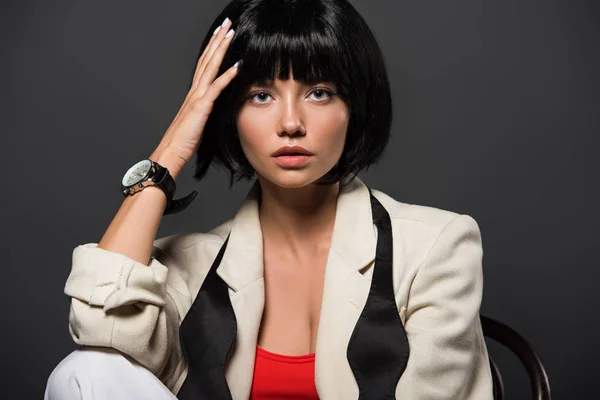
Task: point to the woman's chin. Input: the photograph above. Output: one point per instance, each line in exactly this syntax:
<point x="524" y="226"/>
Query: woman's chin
<point x="292" y="179"/>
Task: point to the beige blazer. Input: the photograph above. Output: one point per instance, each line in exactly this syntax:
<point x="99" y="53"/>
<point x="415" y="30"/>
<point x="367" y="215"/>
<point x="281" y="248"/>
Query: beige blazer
<point x="437" y="278"/>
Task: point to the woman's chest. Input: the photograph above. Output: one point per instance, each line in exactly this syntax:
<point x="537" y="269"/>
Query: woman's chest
<point x="293" y="296"/>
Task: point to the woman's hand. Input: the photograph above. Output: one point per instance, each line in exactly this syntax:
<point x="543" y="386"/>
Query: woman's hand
<point x="183" y="137"/>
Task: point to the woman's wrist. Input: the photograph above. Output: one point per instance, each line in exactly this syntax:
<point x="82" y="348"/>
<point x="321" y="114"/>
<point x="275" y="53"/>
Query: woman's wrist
<point x="169" y="160"/>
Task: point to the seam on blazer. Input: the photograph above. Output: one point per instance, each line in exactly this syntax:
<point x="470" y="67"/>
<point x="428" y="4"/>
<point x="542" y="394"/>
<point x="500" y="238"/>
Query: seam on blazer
<point x="398" y="217"/>
<point x="212" y="236"/>
<point x="179" y="317"/>
<point x="236" y="291"/>
<point x="174" y="264"/>
<point x="176" y="290"/>
<point x="426" y="258"/>
<point x="437" y="239"/>
<point x="219" y="242"/>
<point x="112" y="330"/>
<point x="179" y="321"/>
<point x="118" y="286"/>
<point x="128" y="277"/>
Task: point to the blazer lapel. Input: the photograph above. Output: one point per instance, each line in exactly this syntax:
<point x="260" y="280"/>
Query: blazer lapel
<point x="242" y="270"/>
<point x="353" y="246"/>
<point x="361" y="338"/>
<point x="378" y="349"/>
<point x="219" y="332"/>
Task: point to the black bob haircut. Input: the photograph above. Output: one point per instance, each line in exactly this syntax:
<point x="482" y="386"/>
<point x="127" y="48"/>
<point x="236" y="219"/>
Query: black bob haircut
<point x="321" y="41"/>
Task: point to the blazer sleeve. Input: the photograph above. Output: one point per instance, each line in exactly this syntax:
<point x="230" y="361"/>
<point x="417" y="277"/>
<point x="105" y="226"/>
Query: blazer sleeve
<point x="120" y="303"/>
<point x="448" y="356"/>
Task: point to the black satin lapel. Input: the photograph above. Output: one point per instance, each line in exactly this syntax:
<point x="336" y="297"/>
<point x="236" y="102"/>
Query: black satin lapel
<point x="206" y="335"/>
<point x="378" y="349"/>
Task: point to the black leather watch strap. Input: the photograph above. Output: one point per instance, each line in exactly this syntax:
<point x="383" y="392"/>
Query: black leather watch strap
<point x="180" y="204"/>
<point x="165" y="181"/>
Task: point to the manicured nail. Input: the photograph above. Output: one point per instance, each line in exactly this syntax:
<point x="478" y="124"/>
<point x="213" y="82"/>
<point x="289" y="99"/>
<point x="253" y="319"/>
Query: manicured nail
<point x="217" y="30"/>
<point x="229" y="33"/>
<point x="225" y="22"/>
<point x="237" y="64"/>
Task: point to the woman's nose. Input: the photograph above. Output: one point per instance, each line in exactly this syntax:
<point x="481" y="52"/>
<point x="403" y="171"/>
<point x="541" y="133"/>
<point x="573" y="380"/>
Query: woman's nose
<point x="291" y="121"/>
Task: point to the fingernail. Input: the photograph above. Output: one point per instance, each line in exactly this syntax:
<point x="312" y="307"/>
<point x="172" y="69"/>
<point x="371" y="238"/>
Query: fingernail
<point x="217" y="30"/>
<point x="225" y="22"/>
<point x="229" y="33"/>
<point x="237" y="64"/>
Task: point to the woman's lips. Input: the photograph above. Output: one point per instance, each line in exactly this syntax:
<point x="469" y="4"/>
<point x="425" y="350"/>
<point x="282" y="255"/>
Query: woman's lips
<point x="289" y="160"/>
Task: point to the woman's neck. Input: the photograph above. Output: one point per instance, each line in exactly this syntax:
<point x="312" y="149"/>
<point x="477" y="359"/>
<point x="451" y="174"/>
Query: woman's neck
<point x="300" y="219"/>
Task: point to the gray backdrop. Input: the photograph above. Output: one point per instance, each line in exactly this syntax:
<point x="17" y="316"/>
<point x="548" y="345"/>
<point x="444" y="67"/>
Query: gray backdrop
<point x="496" y="111"/>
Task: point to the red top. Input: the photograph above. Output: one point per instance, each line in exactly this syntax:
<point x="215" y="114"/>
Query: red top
<point x="277" y="376"/>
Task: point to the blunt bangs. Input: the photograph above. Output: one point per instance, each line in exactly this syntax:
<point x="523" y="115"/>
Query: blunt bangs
<point x="312" y="41"/>
<point x="281" y="37"/>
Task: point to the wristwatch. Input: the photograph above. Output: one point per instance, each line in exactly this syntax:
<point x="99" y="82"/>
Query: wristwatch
<point x="150" y="173"/>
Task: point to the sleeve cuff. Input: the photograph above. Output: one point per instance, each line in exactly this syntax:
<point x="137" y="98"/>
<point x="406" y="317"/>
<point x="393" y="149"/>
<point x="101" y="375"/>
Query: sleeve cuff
<point x="107" y="279"/>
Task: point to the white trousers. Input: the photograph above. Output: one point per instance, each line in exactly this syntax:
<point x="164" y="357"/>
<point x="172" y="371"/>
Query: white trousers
<point x="103" y="374"/>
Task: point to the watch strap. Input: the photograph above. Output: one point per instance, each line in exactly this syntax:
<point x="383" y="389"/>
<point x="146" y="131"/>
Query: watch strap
<point x="178" y="205"/>
<point x="165" y="181"/>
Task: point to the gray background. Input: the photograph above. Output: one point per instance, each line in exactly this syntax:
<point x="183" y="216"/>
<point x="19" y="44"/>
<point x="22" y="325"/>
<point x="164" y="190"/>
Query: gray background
<point x="496" y="111"/>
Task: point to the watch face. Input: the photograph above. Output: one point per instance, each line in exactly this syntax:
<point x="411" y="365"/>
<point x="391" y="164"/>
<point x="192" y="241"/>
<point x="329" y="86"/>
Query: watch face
<point x="136" y="173"/>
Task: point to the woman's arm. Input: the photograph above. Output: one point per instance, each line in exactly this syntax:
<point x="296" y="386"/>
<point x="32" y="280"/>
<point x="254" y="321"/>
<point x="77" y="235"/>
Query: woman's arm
<point x="130" y="306"/>
<point x="122" y="296"/>
<point x="448" y="356"/>
<point x="134" y="227"/>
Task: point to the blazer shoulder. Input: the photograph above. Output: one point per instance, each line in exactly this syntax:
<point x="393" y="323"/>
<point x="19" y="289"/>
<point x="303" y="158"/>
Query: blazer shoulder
<point x="419" y="229"/>
<point x="177" y="242"/>
<point x="422" y="214"/>
<point x="191" y="252"/>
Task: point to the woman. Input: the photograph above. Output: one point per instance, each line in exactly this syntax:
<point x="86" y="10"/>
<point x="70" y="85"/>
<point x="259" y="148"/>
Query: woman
<point x="319" y="287"/>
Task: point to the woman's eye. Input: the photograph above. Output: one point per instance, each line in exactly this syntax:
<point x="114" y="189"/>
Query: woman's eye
<point x="260" y="96"/>
<point x="321" y="94"/>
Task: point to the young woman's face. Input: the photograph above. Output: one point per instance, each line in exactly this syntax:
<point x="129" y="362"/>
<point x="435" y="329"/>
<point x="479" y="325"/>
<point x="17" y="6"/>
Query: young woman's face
<point x="291" y="113"/>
